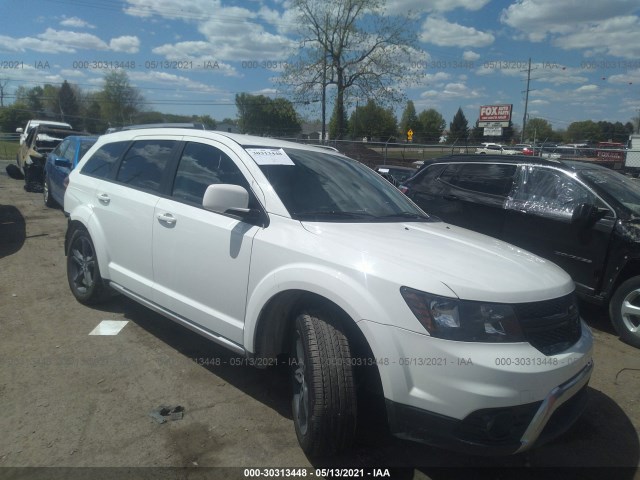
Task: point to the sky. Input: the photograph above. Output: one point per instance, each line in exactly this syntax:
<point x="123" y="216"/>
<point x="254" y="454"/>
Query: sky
<point x="193" y="56"/>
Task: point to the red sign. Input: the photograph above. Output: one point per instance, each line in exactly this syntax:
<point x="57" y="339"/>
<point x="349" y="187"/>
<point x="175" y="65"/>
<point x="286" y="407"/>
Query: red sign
<point x="495" y="113"/>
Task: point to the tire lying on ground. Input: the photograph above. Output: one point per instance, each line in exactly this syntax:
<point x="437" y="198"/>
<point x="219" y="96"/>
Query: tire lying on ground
<point x="14" y="172"/>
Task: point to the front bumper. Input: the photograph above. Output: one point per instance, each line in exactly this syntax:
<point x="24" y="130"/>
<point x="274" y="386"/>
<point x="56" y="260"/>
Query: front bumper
<point x="496" y="431"/>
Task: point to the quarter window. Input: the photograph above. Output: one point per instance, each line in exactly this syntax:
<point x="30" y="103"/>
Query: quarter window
<point x="487" y="178"/>
<point x="145" y="162"/>
<point x="103" y="161"/>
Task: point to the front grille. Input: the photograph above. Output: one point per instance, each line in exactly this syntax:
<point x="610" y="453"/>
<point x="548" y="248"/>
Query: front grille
<point x="550" y="326"/>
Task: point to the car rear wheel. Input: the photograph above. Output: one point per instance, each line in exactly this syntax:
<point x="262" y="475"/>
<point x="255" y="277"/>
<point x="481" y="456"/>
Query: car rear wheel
<point x="324" y="397"/>
<point x="46" y="193"/>
<point x="624" y="310"/>
<point x="83" y="272"/>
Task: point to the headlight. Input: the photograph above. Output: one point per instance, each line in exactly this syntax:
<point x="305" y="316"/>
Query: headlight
<point x="462" y="320"/>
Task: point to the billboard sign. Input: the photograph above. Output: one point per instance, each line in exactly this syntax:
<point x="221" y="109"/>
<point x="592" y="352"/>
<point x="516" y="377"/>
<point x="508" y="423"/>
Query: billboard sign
<point x="495" y="113"/>
<point x="492" y="131"/>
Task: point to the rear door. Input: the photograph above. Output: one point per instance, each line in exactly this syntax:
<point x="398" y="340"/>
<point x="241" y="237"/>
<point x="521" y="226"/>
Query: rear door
<point x="472" y="195"/>
<point x="124" y="210"/>
<point x="201" y="258"/>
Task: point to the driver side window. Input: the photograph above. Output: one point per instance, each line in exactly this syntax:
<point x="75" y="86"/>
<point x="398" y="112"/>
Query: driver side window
<point x="548" y="192"/>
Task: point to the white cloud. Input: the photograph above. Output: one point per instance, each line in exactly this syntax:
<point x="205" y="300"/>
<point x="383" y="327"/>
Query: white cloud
<point x="611" y="27"/>
<point x="470" y="56"/>
<point x="588" y="89"/>
<point x="75" y="22"/>
<point x="439" y="31"/>
<point x="166" y="79"/>
<point x="452" y="90"/>
<point x="405" y="6"/>
<point x="66" y="41"/>
<point x="126" y="44"/>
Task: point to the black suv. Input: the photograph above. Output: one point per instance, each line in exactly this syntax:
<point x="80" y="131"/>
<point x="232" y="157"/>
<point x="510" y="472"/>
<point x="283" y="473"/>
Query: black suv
<point x="583" y="217"/>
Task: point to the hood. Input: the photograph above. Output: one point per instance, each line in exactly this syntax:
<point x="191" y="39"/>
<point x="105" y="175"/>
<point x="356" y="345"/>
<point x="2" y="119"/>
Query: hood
<point x="443" y="259"/>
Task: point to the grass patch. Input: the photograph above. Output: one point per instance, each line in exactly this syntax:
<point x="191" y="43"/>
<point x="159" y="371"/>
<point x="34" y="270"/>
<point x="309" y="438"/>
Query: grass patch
<point x="8" y="150"/>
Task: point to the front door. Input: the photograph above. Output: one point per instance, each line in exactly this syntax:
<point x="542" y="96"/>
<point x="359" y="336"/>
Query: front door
<point x="201" y="258"/>
<point x="539" y="216"/>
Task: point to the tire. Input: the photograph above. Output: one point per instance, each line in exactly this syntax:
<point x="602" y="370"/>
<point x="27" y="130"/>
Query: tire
<point x="624" y="311"/>
<point x="83" y="272"/>
<point x="46" y="193"/>
<point x="324" y="403"/>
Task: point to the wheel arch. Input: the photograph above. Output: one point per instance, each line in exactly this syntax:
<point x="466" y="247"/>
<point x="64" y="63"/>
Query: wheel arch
<point x="81" y="218"/>
<point x="271" y="335"/>
<point x="630" y="269"/>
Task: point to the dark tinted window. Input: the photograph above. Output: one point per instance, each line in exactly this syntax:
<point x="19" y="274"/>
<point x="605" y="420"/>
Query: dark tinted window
<point x="425" y="180"/>
<point x="70" y="152"/>
<point x="200" y="166"/>
<point x="60" y="149"/>
<point x="144" y="163"/>
<point x="488" y="178"/>
<point x="103" y="161"/>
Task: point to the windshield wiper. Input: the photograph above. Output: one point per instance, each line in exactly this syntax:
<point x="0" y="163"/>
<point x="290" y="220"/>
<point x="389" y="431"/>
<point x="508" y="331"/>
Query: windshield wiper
<point x="408" y="215"/>
<point x="331" y="214"/>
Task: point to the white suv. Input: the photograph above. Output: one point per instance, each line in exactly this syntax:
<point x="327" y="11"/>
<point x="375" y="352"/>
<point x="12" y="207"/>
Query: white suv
<point x="279" y="250"/>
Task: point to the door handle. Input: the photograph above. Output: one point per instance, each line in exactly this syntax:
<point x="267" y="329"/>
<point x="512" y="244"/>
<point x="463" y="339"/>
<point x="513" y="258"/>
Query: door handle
<point x="103" y="198"/>
<point x="450" y="197"/>
<point x="167" y="218"/>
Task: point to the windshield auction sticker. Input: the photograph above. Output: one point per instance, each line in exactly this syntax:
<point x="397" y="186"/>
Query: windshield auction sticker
<point x="269" y="156"/>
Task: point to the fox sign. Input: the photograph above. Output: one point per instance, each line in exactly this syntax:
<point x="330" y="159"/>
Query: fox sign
<point x="495" y="113"/>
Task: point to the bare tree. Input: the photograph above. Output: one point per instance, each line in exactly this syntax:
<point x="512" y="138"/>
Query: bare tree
<point x="353" y="45"/>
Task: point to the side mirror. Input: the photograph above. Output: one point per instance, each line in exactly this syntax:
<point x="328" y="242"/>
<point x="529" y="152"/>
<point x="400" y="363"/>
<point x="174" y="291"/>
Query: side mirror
<point x="226" y="198"/>
<point x="587" y="214"/>
<point x="19" y="130"/>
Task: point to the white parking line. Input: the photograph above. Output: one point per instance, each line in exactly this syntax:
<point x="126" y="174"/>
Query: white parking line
<point x="108" y="327"/>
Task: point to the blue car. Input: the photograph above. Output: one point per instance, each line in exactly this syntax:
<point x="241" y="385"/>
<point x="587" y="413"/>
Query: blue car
<point x="59" y="164"/>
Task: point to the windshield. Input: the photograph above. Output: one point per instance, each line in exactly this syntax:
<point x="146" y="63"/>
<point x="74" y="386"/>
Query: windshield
<point x="616" y="187"/>
<point x="317" y="186"/>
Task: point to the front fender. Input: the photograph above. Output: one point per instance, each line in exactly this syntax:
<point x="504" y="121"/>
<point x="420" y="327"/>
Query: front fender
<point x="344" y="291"/>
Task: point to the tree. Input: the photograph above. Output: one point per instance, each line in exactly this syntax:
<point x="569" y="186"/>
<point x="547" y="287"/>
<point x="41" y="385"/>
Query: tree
<point x="261" y="115"/>
<point x="14" y="116"/>
<point x="373" y="121"/>
<point x="351" y="44"/>
<point x="430" y="126"/>
<point x="409" y="120"/>
<point x="586" y="131"/>
<point x="67" y="103"/>
<point x="458" y="128"/>
<point x="538" y="129"/>
<point x="119" y="100"/>
<point x="335" y="127"/>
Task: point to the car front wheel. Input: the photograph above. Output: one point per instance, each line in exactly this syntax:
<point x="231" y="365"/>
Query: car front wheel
<point x="324" y="397"/>
<point x="624" y="310"/>
<point x="83" y="272"/>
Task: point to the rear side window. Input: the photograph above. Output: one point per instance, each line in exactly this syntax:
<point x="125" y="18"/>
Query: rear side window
<point x="487" y="178"/>
<point x="102" y="163"/>
<point x="200" y="166"/>
<point x="145" y="162"/>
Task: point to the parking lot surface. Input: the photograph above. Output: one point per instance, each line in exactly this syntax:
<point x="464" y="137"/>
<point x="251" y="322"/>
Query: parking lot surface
<point x="75" y="399"/>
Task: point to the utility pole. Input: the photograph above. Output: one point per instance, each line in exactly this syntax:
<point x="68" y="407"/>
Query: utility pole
<point x="526" y="103"/>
